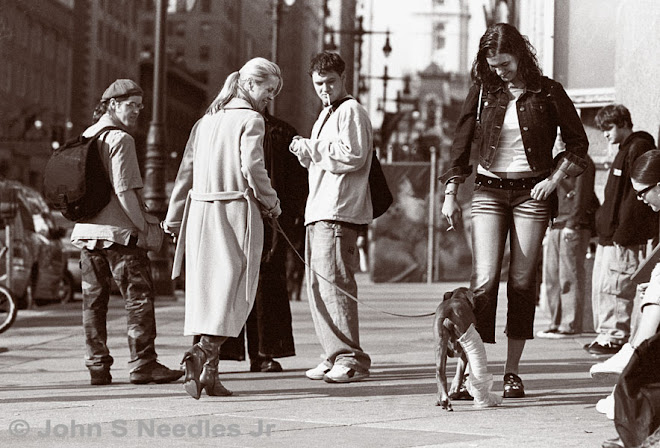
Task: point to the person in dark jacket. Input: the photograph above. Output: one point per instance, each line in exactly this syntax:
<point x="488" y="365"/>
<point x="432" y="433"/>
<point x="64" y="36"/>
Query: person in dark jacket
<point x="511" y="115"/>
<point x="624" y="226"/>
<point x="564" y="253"/>
<point x="268" y="328"/>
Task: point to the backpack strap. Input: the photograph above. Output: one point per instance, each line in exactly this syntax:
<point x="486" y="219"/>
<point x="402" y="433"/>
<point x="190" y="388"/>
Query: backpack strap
<point x="98" y="148"/>
<point x="333" y="107"/>
<point x="107" y="128"/>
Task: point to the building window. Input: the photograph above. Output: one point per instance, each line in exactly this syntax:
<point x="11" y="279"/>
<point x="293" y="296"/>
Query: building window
<point x="206" y="5"/>
<point x="180" y="29"/>
<point x="439" y="2"/>
<point x="204" y="53"/>
<point x="147" y="28"/>
<point x="179" y="54"/>
<point x="439" y="40"/>
<point x="430" y="114"/>
<point x="205" y="29"/>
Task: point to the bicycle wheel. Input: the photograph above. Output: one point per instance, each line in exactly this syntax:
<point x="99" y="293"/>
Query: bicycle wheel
<point x="7" y="309"/>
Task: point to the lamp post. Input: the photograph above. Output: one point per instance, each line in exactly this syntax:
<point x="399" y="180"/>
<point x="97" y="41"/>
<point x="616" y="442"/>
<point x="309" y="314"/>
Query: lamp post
<point x="276" y="15"/>
<point x="154" y="165"/>
<point x="358" y="35"/>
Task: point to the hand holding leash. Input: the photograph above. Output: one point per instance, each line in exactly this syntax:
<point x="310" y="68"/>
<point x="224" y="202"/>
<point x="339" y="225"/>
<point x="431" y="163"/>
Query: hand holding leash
<point x="171" y="231"/>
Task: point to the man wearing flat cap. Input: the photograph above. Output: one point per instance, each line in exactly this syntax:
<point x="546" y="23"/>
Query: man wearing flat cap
<point x="112" y="246"/>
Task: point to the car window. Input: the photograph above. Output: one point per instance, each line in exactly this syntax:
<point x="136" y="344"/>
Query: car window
<point x="26" y="217"/>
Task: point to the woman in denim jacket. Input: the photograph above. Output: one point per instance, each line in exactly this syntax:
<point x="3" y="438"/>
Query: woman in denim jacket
<point x="514" y="130"/>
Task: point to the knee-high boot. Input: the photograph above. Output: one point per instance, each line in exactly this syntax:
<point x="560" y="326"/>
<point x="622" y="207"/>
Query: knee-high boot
<point x="194" y="360"/>
<point x="209" y="379"/>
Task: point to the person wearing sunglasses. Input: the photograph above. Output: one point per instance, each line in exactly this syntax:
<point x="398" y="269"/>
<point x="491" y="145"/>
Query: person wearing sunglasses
<point x="645" y="177"/>
<point x="624" y="226"/>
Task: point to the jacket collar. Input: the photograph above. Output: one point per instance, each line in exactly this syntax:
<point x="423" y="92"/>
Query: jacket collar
<point x="501" y="87"/>
<point x="238" y="103"/>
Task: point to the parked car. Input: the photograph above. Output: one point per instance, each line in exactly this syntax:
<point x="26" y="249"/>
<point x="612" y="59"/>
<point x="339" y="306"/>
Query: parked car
<point x="71" y="252"/>
<point x="39" y="269"/>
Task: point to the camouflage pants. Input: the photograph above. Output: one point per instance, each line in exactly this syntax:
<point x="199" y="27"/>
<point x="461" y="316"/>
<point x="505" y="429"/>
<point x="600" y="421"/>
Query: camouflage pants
<point x="129" y="266"/>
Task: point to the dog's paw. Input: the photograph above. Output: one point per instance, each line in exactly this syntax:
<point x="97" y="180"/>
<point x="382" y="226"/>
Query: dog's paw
<point x="446" y="404"/>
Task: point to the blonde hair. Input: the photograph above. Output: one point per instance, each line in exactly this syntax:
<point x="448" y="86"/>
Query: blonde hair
<point x="257" y="69"/>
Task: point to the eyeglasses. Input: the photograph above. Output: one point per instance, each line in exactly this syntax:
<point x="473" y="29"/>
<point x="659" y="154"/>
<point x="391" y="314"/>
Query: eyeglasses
<point x="134" y="106"/>
<point x="640" y="194"/>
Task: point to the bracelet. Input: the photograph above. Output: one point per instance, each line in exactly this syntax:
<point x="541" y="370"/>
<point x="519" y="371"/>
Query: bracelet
<point x="450" y="193"/>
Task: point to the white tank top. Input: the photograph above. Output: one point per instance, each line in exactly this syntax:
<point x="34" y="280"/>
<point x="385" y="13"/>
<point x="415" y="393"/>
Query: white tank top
<point x="510" y="154"/>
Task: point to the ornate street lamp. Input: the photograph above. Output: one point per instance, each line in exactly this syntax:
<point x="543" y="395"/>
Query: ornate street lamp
<point x="154" y="166"/>
<point x="276" y="19"/>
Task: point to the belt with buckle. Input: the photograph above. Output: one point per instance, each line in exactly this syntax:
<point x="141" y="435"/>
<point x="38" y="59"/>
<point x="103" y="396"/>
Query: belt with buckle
<point x="525" y="183"/>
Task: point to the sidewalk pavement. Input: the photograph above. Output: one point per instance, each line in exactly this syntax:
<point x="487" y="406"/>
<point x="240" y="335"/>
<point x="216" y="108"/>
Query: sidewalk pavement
<point x="46" y="399"/>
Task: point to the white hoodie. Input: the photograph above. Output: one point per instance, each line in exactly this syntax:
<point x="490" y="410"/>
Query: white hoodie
<point x="338" y="159"/>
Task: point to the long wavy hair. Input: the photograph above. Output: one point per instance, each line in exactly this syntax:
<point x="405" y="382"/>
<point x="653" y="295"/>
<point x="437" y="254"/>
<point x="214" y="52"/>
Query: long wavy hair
<point x="257" y="69"/>
<point x="646" y="169"/>
<point x="504" y="38"/>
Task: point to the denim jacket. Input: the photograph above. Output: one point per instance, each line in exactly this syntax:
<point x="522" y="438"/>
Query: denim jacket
<point x="540" y="112"/>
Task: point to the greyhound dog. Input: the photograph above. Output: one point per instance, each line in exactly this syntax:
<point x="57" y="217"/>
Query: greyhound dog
<point x="453" y="317"/>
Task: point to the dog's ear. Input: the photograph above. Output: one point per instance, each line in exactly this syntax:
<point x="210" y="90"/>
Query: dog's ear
<point x="447" y="295"/>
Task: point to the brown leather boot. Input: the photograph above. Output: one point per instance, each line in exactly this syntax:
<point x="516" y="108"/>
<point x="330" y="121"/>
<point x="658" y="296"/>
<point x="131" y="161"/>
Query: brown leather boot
<point x="210" y="380"/>
<point x="194" y="360"/>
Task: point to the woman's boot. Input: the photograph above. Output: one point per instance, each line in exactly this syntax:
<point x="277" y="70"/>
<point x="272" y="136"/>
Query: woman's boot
<point x="211" y="380"/>
<point x="193" y="361"/>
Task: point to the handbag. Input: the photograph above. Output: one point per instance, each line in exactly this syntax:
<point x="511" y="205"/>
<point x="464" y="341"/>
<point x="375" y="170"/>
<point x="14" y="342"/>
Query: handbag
<point x="381" y="196"/>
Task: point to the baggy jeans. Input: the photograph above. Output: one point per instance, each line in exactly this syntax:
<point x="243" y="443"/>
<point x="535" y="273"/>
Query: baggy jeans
<point x="564" y="277"/>
<point x="498" y="214"/>
<point x="613" y="291"/>
<point x="130" y="268"/>
<point x="331" y="251"/>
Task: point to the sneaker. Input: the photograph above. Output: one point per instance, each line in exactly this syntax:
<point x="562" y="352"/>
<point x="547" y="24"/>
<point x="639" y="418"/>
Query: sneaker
<point x="612" y="367"/>
<point x="319" y="371"/>
<point x="609" y="348"/>
<point x="606" y="405"/>
<point x="613" y="443"/>
<point x="100" y="377"/>
<point x="553" y="333"/>
<point x="344" y="374"/>
<point x="154" y="372"/>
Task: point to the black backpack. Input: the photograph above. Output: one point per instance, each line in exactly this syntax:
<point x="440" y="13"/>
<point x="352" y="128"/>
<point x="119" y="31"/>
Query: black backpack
<point x="75" y="181"/>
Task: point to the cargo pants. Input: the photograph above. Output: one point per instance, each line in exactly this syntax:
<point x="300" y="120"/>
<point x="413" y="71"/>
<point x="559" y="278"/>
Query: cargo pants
<point x="130" y="268"/>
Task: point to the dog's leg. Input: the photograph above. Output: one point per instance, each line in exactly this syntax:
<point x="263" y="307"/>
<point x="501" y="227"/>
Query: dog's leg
<point x="459" y="377"/>
<point x="441" y="365"/>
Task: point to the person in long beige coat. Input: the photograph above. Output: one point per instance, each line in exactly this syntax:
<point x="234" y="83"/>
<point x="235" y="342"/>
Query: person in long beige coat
<point x="221" y="192"/>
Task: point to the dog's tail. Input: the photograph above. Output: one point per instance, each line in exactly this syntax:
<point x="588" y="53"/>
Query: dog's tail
<point x="451" y="327"/>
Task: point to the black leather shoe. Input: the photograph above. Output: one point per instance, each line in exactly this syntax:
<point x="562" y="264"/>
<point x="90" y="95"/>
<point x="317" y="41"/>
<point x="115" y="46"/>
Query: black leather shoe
<point x="155" y="372"/>
<point x="513" y="386"/>
<point x="271" y="365"/>
<point x="100" y="377"/>
<point x="604" y="349"/>
<point x="265" y="365"/>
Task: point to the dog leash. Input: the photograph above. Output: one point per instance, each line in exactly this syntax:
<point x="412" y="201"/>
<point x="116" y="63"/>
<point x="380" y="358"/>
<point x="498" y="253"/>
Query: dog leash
<point x="351" y="296"/>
